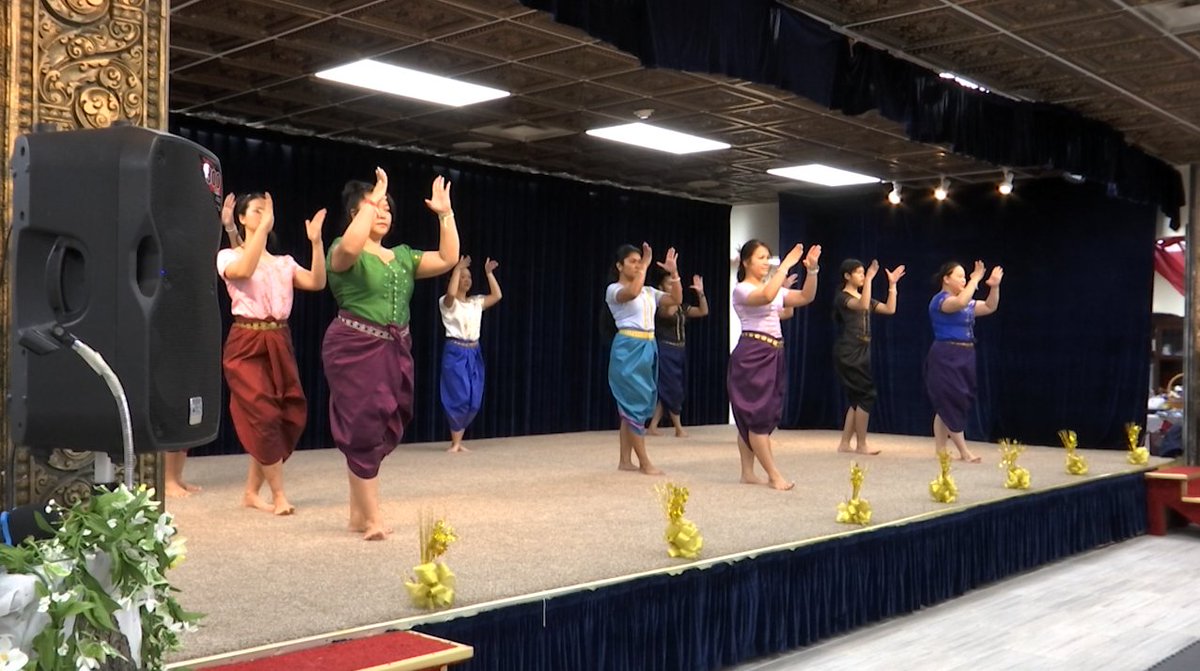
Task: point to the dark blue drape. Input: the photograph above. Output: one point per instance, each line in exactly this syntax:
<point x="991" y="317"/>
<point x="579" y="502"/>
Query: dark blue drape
<point x="546" y="361"/>
<point x="1069" y="347"/>
<point x="765" y="42"/>
<point x="732" y="613"/>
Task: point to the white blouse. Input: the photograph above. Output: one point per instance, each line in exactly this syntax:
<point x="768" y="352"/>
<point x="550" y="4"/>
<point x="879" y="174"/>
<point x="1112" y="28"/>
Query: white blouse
<point x="462" y="318"/>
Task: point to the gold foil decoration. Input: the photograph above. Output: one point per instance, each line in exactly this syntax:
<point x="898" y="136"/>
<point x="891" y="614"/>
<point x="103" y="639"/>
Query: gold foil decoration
<point x="1076" y="464"/>
<point x="1137" y="455"/>
<point x="1016" y="477"/>
<point x="856" y="510"/>
<point x="943" y="489"/>
<point x="433" y="584"/>
<point x="682" y="536"/>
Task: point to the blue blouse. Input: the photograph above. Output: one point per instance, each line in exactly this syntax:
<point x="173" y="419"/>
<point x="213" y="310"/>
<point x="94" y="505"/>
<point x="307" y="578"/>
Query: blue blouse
<point x="958" y="326"/>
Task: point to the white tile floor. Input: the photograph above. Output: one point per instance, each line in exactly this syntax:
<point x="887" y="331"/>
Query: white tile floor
<point x="1123" y="607"/>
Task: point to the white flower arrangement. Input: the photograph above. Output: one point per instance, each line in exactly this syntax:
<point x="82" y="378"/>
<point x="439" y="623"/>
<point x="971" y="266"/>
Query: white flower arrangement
<point x="101" y="578"/>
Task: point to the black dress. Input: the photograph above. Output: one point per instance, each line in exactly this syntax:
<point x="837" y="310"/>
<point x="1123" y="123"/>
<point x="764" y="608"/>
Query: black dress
<point x="852" y="351"/>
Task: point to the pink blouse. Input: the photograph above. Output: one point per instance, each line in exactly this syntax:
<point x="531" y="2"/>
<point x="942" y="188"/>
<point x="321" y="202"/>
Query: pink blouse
<point x="267" y="294"/>
<point x="760" y="318"/>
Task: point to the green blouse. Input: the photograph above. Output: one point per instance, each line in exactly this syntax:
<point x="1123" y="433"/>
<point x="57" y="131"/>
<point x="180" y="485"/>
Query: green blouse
<point x="376" y="291"/>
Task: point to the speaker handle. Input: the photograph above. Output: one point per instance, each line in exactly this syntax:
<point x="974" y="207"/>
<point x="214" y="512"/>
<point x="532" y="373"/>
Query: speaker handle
<point x="56" y="268"/>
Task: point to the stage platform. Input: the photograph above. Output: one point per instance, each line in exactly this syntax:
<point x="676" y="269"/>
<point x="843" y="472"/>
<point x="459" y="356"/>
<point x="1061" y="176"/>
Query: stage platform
<point x="561" y="562"/>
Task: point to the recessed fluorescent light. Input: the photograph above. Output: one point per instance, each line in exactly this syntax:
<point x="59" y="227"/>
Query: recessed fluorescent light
<point x="653" y="137"/>
<point x="963" y="82"/>
<point x="823" y="175"/>
<point x="408" y="83"/>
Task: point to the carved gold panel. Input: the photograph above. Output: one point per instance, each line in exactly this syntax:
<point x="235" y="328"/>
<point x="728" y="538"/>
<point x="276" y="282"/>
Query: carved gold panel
<point x="73" y="64"/>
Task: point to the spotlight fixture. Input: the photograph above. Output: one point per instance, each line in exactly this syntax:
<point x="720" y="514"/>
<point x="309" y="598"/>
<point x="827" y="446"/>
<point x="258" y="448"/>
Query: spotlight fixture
<point x="894" y="196"/>
<point x="1006" y="187"/>
<point x="942" y="190"/>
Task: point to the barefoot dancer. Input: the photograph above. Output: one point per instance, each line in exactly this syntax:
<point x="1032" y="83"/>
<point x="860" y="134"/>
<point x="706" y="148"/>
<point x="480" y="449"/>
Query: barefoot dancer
<point x="853" y="307"/>
<point x="462" y="362"/>
<point x="632" y="361"/>
<point x="174" y="485"/>
<point x="367" y="350"/>
<point x="950" y="365"/>
<point x="757" y="378"/>
<point x="669" y="326"/>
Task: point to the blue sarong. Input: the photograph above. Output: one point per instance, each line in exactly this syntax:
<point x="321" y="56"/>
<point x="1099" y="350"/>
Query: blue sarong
<point x="672" y="375"/>
<point x="632" y="376"/>
<point x="461" y="383"/>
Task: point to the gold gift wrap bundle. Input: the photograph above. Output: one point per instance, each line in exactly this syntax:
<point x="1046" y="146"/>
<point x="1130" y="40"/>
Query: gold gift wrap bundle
<point x="433" y="584"/>
<point x="1076" y="464"/>
<point x="943" y="489"/>
<point x="1016" y="477"/>
<point x="856" y="510"/>
<point x="682" y="536"/>
<point x="1137" y="455"/>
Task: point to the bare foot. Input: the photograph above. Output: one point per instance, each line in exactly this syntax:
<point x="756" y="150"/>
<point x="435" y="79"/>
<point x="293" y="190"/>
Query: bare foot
<point x="867" y="450"/>
<point x="752" y="480"/>
<point x="375" y="532"/>
<point x="782" y="485"/>
<point x="253" y="500"/>
<point x="282" y="506"/>
<point x="175" y="491"/>
<point x="458" y="448"/>
<point x="970" y="458"/>
<point x="845" y="447"/>
<point x="649" y="469"/>
<point x="680" y="433"/>
<point x="626" y="467"/>
<point x="193" y="489"/>
<point x="653" y="432"/>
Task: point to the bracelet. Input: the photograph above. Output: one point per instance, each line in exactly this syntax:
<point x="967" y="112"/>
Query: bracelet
<point x="443" y="216"/>
<point x="814" y="269"/>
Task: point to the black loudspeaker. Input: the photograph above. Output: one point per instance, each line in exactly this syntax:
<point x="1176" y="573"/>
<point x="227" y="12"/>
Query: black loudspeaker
<point x="114" y="237"/>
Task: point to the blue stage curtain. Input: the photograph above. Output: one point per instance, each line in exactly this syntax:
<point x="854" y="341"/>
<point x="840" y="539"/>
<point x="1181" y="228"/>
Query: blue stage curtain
<point x="731" y="613"/>
<point x="554" y="238"/>
<point x="1069" y="347"/>
<point x="765" y="42"/>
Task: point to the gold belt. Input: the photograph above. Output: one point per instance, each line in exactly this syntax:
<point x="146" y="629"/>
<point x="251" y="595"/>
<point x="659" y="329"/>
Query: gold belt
<point x="958" y="343"/>
<point x="366" y="328"/>
<point x="256" y="325"/>
<point x="672" y="343"/>
<point x="464" y="343"/>
<point x="773" y="342"/>
<point x="641" y="335"/>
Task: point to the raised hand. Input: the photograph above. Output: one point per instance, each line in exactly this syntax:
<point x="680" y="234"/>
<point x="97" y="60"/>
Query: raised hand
<point x="791" y="281"/>
<point x="463" y="263"/>
<point x="993" y="280"/>
<point x="670" y="263"/>
<point x="490" y="265"/>
<point x="977" y="273"/>
<point x="267" y="221"/>
<point x="793" y="257"/>
<point x="813" y="258"/>
<point x="895" y="275"/>
<point x="872" y="270"/>
<point x="439" y="199"/>
<point x="313" y="226"/>
<point x="647" y="257"/>
<point x="698" y="284"/>
<point x="379" y="191"/>
<point x="227" y="211"/>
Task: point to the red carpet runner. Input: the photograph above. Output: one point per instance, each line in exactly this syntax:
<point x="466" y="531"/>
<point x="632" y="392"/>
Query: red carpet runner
<point x="398" y="651"/>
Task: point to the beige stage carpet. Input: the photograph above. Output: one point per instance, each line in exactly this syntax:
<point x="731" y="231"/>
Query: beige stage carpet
<point x="532" y="514"/>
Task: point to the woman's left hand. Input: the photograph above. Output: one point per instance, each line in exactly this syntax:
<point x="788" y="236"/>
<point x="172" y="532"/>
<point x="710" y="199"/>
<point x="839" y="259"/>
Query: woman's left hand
<point x="895" y="275"/>
<point x="670" y="263"/>
<point x="698" y="284"/>
<point x="813" y="258"/>
<point x="993" y="280"/>
<point x="313" y="226"/>
<point x="490" y="265"/>
<point x="439" y="199"/>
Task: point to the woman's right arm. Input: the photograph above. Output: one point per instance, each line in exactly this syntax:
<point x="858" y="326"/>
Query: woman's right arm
<point x="252" y="249"/>
<point x="345" y="253"/>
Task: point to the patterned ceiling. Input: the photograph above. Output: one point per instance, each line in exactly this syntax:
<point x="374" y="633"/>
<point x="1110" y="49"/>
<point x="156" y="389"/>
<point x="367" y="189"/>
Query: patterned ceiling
<point x="252" y="61"/>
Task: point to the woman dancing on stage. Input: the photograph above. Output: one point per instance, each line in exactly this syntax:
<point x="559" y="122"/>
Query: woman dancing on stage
<point x="367" y="350"/>
<point x="266" y="402"/>
<point x="757" y="378"/>
<point x="462" y="362"/>
<point x="669" y="325"/>
<point x="950" y="365"/>
<point x="853" y="307"/>
<point x="632" y="361"/>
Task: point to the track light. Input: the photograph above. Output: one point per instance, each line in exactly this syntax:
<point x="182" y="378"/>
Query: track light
<point x="1006" y="187"/>
<point x="942" y="190"/>
<point x="894" y="196"/>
